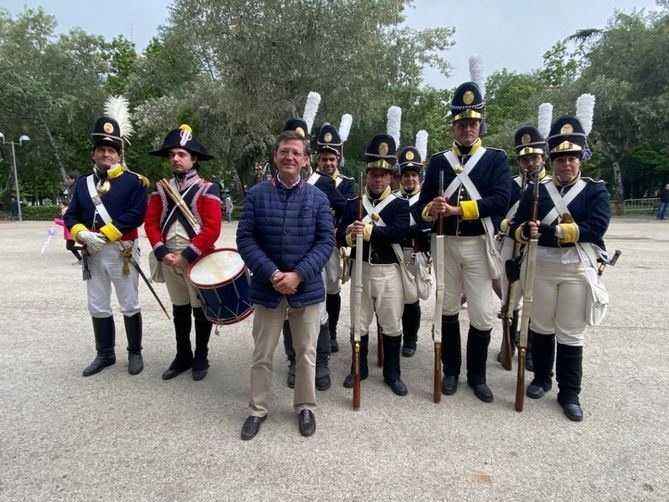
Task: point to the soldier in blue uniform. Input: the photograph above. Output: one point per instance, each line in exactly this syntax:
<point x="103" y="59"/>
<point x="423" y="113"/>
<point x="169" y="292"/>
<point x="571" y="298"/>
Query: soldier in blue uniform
<point x="530" y="148"/>
<point x="417" y="240"/>
<point x="569" y="242"/>
<point x="477" y="184"/>
<point x="385" y="224"/>
<point x="106" y="208"/>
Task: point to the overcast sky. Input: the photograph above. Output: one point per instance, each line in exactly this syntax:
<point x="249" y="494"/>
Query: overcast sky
<point x="512" y="34"/>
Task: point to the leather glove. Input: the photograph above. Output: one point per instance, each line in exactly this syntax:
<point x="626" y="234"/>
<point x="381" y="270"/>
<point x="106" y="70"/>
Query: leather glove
<point x="93" y="241"/>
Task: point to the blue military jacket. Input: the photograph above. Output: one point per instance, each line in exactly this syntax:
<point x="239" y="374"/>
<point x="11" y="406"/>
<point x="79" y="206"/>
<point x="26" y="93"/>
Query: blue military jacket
<point x="591" y="211"/>
<point x="396" y="217"/>
<point x="125" y="202"/>
<point x="492" y="178"/>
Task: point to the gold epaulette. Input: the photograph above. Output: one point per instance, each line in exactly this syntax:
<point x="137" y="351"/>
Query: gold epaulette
<point x="143" y="179"/>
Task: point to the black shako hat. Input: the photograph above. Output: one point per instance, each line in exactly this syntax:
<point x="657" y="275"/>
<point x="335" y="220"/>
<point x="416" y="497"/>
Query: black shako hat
<point x="298" y="125"/>
<point x="528" y="141"/>
<point x="567" y="137"/>
<point x="381" y="153"/>
<point x="467" y="102"/>
<point x="182" y="138"/>
<point x="107" y="132"/>
<point x="328" y="140"/>
<point x="409" y="160"/>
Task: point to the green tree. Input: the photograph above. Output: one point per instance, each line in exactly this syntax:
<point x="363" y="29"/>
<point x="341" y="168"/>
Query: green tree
<point x="248" y="65"/>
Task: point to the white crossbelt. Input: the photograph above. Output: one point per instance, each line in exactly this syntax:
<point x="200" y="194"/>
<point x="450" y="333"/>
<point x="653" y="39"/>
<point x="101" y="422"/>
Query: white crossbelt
<point x="97" y="201"/>
<point x="560" y="202"/>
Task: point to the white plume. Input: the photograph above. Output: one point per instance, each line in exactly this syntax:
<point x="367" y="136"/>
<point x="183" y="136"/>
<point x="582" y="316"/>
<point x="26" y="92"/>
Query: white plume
<point x="421" y="144"/>
<point x="311" y="109"/>
<point x="394" y="123"/>
<point x="345" y="126"/>
<point x="585" y="109"/>
<point x="476" y="72"/>
<point x="116" y="107"/>
<point x="545" y="119"/>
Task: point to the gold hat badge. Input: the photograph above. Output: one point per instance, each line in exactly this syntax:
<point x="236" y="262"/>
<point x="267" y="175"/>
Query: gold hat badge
<point x="108" y="127"/>
<point x="409" y="155"/>
<point x="383" y="148"/>
<point x="300" y="132"/>
<point x="525" y="139"/>
<point x="328" y="137"/>
<point x="468" y="97"/>
<point x="567" y="129"/>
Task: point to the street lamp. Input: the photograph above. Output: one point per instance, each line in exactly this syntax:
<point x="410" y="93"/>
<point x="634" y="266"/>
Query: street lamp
<point x="23" y="138"/>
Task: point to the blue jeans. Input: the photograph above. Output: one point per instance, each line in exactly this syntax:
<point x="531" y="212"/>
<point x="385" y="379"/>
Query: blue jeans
<point x="661" y="210"/>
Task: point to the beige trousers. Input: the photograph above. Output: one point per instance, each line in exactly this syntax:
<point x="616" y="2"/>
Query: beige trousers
<point x="383" y="294"/>
<point x="178" y="287"/>
<point x="466" y="268"/>
<point x="267" y="324"/>
<point x="560" y="293"/>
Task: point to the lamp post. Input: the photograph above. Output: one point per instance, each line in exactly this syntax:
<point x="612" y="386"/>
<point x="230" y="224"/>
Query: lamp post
<point x="23" y="138"/>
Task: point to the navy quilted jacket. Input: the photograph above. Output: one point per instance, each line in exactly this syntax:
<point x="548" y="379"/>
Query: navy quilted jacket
<point x="286" y="229"/>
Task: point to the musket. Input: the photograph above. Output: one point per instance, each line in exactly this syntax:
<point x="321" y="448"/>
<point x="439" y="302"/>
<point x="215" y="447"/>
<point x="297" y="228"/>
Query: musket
<point x="507" y="317"/>
<point x="357" y="302"/>
<point x="439" y="299"/>
<point x="528" y="299"/>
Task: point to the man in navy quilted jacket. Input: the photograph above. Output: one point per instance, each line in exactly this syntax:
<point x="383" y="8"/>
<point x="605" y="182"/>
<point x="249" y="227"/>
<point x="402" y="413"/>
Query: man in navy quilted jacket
<point x="285" y="236"/>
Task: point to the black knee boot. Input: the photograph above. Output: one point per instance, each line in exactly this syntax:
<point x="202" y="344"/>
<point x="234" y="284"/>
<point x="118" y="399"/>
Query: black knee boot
<point x="322" y="357"/>
<point x="133" y="331"/>
<point x="202" y="334"/>
<point x="182" y="324"/>
<point x="410" y="326"/>
<point x="364" y="368"/>
<point x="290" y="353"/>
<point x="391" y="365"/>
<point x="543" y="355"/>
<point x="333" y="306"/>
<point x="451" y="357"/>
<point x="569" y="372"/>
<point x="477" y="355"/>
<point x="105" y="338"/>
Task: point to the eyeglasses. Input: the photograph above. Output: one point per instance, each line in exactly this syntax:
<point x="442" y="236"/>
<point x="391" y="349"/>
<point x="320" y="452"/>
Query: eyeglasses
<point x="285" y="152"/>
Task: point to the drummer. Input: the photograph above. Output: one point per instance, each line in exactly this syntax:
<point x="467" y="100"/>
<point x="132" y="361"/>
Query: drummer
<point x="176" y="242"/>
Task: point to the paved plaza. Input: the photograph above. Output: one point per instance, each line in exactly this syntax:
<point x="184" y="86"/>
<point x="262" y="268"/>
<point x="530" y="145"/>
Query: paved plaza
<point x="113" y="436"/>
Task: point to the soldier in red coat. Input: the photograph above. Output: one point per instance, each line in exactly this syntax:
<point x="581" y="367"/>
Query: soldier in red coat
<point x="177" y="243"/>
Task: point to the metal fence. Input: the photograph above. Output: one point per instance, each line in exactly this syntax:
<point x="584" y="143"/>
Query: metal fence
<point x="641" y="206"/>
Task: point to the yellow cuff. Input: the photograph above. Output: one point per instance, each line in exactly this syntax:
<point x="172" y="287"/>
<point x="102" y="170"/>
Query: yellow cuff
<point x="111" y="232"/>
<point x="470" y="210"/>
<point x="367" y="232"/>
<point x="425" y="216"/>
<point x="570" y="232"/>
<point x="76" y="229"/>
<point x="504" y="225"/>
<point x="350" y="241"/>
<point x="519" y="234"/>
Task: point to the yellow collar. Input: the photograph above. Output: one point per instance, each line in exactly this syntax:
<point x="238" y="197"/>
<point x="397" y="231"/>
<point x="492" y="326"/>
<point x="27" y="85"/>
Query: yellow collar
<point x="415" y="191"/>
<point x="475" y="146"/>
<point x="559" y="184"/>
<point x="385" y="194"/>
<point x="115" y="172"/>
<point x="334" y="175"/>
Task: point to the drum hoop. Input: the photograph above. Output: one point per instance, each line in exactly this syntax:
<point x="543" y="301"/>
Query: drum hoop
<point x="218" y="284"/>
<point x="235" y="320"/>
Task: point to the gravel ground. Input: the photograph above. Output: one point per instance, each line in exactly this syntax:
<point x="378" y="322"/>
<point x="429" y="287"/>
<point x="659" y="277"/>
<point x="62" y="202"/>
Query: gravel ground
<point x="116" y="437"/>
